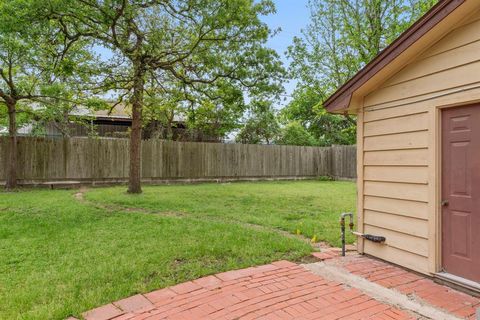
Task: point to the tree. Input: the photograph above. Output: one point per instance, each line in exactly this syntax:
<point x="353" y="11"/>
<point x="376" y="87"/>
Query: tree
<point x="324" y="127"/>
<point x="341" y="37"/>
<point x="164" y="102"/>
<point x="261" y="126"/>
<point x="219" y="112"/>
<point x="195" y="42"/>
<point x="296" y="135"/>
<point x="33" y="66"/>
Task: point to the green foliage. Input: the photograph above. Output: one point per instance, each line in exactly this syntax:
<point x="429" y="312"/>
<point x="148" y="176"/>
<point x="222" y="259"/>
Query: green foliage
<point x="41" y="71"/>
<point x="163" y="107"/>
<point x="325" y="128"/>
<point x="261" y="126"/>
<point x="218" y="116"/>
<point x="25" y="116"/>
<point x="341" y="38"/>
<point x="197" y="58"/>
<point x="295" y="134"/>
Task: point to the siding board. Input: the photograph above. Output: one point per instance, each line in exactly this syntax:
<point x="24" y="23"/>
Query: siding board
<point x="414" y="209"/>
<point x="405" y="191"/>
<point x="398" y="256"/>
<point x="446" y="79"/>
<point x="459" y="37"/>
<point x="410" y="140"/>
<point x="373" y="113"/>
<point x="402" y="241"/>
<point x="409" y="123"/>
<point x="396" y="174"/>
<point x="411" y="157"/>
<point x="415" y="227"/>
<point x="437" y="63"/>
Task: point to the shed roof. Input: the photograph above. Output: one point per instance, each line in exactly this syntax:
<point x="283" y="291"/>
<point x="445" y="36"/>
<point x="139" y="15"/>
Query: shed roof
<point x="341" y="99"/>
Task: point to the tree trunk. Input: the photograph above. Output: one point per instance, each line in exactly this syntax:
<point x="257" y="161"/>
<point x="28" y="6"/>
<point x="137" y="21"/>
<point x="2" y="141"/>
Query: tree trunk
<point x="11" y="172"/>
<point x="134" y="181"/>
<point x="169" y="132"/>
<point x="169" y="127"/>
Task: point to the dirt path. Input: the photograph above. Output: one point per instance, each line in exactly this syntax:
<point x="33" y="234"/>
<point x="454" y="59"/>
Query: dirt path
<point x="80" y="196"/>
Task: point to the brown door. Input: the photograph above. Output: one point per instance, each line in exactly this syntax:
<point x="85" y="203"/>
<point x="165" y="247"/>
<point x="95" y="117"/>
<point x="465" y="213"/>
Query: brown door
<point x="461" y="191"/>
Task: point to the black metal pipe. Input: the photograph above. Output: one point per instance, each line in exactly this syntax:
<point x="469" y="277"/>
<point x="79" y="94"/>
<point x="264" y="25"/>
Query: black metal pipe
<point x="378" y="239"/>
<point x="342" y="226"/>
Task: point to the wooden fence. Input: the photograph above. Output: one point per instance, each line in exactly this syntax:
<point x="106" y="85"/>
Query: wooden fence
<point x="105" y="160"/>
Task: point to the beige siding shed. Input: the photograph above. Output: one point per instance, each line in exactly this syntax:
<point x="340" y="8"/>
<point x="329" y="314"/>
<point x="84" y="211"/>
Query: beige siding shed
<point x="398" y="108"/>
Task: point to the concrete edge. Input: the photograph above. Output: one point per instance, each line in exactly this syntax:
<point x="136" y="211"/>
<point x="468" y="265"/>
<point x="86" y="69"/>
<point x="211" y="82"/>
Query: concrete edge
<point x="378" y="292"/>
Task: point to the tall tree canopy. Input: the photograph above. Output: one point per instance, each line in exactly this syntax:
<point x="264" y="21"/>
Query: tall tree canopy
<point x="341" y="37"/>
<point x="296" y="135"/>
<point x="260" y="125"/>
<point x="194" y="43"/>
<point x="36" y="68"/>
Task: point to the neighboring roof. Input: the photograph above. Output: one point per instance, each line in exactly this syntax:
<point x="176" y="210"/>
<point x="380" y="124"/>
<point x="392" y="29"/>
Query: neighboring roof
<point x="120" y="111"/>
<point x="340" y="100"/>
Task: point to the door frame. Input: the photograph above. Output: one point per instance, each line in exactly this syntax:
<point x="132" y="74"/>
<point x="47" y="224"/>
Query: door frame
<point x="435" y="221"/>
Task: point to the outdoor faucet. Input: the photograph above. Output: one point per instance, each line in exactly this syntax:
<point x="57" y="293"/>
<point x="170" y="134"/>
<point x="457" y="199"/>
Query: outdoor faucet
<point x="370" y="237"/>
<point x="342" y="225"/>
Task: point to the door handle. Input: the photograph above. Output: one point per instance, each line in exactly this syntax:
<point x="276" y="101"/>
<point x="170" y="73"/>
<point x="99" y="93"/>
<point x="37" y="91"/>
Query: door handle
<point x="444" y="203"/>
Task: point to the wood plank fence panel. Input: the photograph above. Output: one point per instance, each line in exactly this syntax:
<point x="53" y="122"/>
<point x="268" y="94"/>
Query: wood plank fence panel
<point x="47" y="160"/>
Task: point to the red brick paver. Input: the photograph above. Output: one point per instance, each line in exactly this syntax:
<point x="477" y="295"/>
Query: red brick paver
<point x="326" y="255"/>
<point x="105" y="312"/>
<point x="455" y="302"/>
<point x="281" y="290"/>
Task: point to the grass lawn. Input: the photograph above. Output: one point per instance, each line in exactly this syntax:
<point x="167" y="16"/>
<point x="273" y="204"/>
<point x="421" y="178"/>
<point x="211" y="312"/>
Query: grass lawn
<point x="62" y="256"/>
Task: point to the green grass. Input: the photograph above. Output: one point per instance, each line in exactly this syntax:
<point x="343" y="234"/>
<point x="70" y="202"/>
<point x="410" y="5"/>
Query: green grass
<point x="60" y="256"/>
<point x="311" y="207"/>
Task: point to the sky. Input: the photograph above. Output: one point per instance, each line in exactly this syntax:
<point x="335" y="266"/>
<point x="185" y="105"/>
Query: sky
<point x="291" y="17"/>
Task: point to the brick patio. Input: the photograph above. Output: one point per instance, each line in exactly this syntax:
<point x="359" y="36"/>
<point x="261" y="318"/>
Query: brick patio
<point x="285" y="290"/>
<point x="411" y="284"/>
